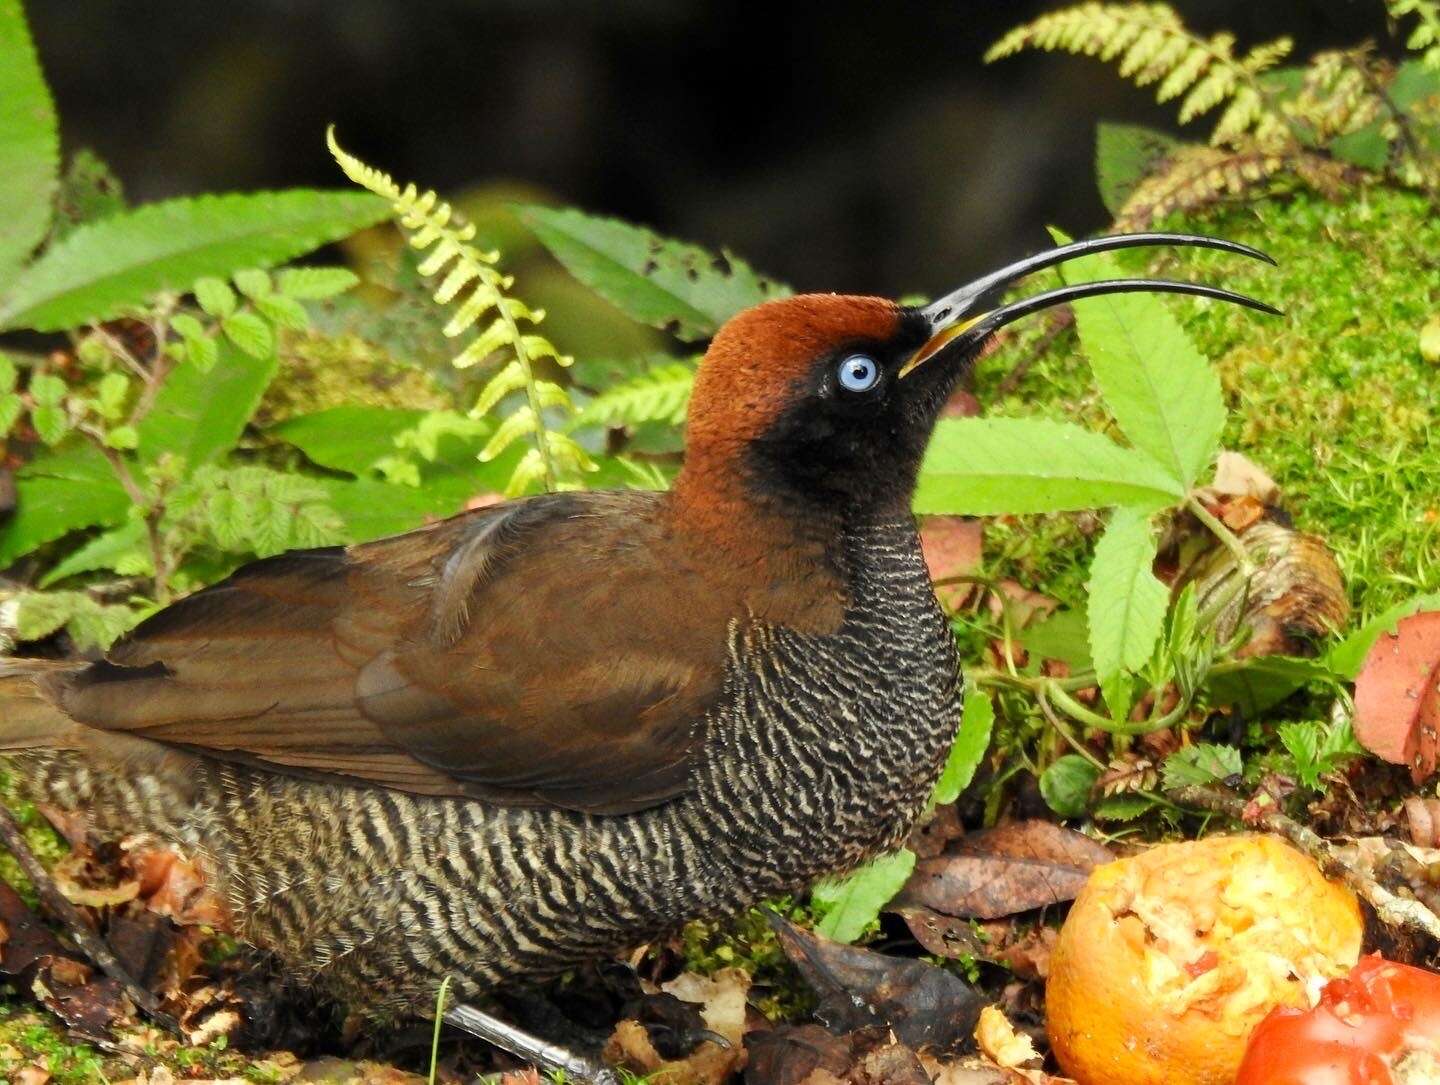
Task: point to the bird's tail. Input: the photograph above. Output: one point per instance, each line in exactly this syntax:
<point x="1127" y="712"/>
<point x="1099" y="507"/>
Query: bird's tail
<point x="29" y="719"/>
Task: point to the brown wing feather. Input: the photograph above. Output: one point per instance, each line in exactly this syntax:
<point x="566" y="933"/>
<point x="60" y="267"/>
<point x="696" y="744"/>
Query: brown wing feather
<point x="543" y="650"/>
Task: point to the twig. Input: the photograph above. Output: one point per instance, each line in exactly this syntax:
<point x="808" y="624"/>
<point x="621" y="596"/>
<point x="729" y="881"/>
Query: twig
<point x="1393" y="909"/>
<point x="154" y="511"/>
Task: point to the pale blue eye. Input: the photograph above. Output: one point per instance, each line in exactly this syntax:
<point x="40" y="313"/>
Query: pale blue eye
<point x="859" y="373"/>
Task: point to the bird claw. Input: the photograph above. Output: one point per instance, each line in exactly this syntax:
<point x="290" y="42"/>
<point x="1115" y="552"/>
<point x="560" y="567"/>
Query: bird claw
<point x="530" y="1048"/>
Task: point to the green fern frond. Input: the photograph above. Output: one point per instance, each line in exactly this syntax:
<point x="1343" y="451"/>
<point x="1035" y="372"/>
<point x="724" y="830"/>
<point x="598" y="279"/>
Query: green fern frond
<point x="478" y="293"/>
<point x="1150" y="45"/>
<point x="1425" y="35"/>
<point x="660" y="394"/>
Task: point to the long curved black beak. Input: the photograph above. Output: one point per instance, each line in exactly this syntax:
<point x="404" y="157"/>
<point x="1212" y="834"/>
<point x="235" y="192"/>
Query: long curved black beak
<point x="959" y="319"/>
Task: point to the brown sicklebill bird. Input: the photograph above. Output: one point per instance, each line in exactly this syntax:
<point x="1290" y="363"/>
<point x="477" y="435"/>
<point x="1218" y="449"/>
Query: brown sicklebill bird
<point x="548" y="730"/>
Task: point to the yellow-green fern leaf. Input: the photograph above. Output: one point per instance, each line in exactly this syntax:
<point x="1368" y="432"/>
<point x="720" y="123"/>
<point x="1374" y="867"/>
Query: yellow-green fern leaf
<point x="1150" y="44"/>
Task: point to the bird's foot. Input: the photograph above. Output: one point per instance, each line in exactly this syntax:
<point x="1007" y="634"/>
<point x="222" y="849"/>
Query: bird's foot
<point x="523" y="1045"/>
<point x="12" y="837"/>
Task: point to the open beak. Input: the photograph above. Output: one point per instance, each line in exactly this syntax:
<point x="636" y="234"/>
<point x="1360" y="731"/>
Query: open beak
<point x="959" y="318"/>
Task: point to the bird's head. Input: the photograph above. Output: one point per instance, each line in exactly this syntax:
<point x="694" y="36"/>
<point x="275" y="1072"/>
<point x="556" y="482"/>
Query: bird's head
<point x="828" y="400"/>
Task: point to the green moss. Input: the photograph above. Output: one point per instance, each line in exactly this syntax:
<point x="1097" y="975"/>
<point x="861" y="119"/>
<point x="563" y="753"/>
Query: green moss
<point x="319" y="371"/>
<point x="1334" y="400"/>
<point x="749" y="943"/>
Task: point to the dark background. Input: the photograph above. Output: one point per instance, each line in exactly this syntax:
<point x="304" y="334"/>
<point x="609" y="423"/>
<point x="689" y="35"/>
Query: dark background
<point x="853" y="145"/>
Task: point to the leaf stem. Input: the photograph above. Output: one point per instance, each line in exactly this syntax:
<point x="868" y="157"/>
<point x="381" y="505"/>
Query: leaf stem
<point x="1228" y="538"/>
<point x="152" y="511"/>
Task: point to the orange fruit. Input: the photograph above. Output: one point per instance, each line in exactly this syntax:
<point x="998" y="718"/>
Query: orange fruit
<point x="1169" y="959"/>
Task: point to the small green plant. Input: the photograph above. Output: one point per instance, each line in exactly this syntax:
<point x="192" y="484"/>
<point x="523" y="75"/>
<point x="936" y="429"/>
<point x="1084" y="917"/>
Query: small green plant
<point x="1342" y="116"/>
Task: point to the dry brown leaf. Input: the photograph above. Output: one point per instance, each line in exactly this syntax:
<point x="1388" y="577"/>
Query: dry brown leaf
<point x="709" y="1064"/>
<point x="32" y="1075"/>
<point x="1002" y="871"/>
<point x="1238" y="476"/>
<point x="722" y="997"/>
<point x="1397" y="695"/>
<point x="86" y="882"/>
<point x="795" y="1055"/>
<point x="925" y="1006"/>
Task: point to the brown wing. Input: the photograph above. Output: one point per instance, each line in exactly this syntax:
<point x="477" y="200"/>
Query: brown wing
<point x="548" y="650"/>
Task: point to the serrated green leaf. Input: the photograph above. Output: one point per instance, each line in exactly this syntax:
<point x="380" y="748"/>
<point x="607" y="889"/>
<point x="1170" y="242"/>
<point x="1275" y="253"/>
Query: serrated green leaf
<point x="854" y="902"/>
<point x="1117" y="689"/>
<point x="29" y="143"/>
<point x="1301" y="739"/>
<point x="1162" y="391"/>
<point x="253" y="283"/>
<point x="1064" y="635"/>
<point x="993" y="466"/>
<point x="1200" y="765"/>
<point x="314" y="283"/>
<point x="51" y="424"/>
<point x="250" y="333"/>
<point x="664" y="283"/>
<point x="110" y="395"/>
<point x="11" y="407"/>
<point x="59" y="492"/>
<point x="115" y="549"/>
<point x="187" y="326"/>
<point x="102" y="267"/>
<point x="660" y="394"/>
<point x="1067" y="783"/>
<point x="124" y="438"/>
<point x="198" y="414"/>
<point x="214" y="296"/>
<point x="47" y="389"/>
<point x="1125" y="154"/>
<point x="350" y="438"/>
<point x="968" y="750"/>
<point x="203" y="352"/>
<point x="1126" y="603"/>
<point x="284" y="311"/>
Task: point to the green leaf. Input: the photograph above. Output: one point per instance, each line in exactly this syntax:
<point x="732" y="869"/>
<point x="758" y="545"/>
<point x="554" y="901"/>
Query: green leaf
<point x="657" y="281"/>
<point x="1123" y="807"/>
<point x="1064" y="635"/>
<point x="660" y="394"/>
<point x="308" y="283"/>
<point x="1162" y="391"/>
<point x="1126" y="603"/>
<point x="1261" y="682"/>
<point x="1200" y="765"/>
<point x="214" y="296"/>
<point x="59" y="492"/>
<point x="121" y="547"/>
<point x="284" y="311"/>
<point x="29" y="144"/>
<point x="1118" y="691"/>
<point x="1067" y="783"/>
<point x="253" y="283"/>
<point x="9" y="374"/>
<point x="1125" y="154"/>
<point x="200" y="413"/>
<point x="1347" y="657"/>
<point x="47" y="389"/>
<point x="51" y="423"/>
<point x="11" y="407"/>
<point x="993" y="466"/>
<point x="349" y="438"/>
<point x="250" y="333"/>
<point x="968" y="750"/>
<point x="1301" y="739"/>
<point x="102" y="267"/>
<point x="854" y="902"/>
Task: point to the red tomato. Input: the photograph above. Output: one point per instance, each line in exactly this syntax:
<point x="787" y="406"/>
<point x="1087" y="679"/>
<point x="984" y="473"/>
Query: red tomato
<point x="1380" y="1025"/>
